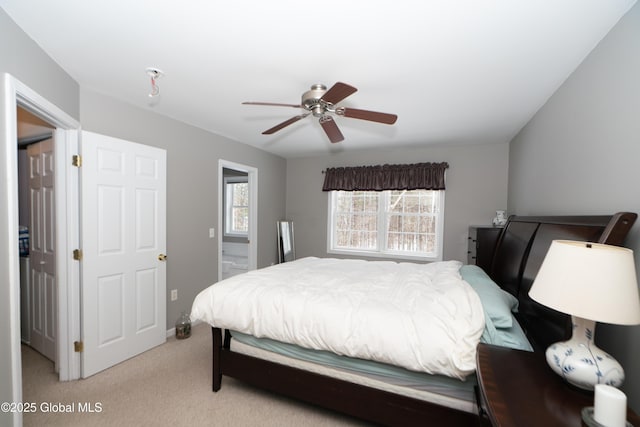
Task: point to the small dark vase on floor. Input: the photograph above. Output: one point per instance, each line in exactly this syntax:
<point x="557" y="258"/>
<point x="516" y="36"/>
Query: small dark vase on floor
<point x="183" y="327"/>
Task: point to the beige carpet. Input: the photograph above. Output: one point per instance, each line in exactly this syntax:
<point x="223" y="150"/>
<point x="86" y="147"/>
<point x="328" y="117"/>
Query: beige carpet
<point x="167" y="386"/>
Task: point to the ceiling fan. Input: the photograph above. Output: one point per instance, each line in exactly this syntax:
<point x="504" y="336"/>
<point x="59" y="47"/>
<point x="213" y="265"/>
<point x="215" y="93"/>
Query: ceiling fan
<point x="321" y="103"/>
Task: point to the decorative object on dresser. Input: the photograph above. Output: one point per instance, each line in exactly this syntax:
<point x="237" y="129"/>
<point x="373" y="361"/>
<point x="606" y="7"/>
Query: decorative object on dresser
<point x="482" y="242"/>
<point x="591" y="282"/>
<point x="501" y="218"/>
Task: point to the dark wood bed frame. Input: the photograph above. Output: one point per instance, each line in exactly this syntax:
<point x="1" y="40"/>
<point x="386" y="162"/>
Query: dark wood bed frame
<point x="518" y="255"/>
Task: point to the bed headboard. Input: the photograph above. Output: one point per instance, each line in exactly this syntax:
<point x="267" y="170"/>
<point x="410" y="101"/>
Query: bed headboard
<point x="519" y="253"/>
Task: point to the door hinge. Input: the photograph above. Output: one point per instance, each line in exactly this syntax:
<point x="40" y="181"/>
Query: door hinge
<point x="76" y="160"/>
<point x="78" y="346"/>
<point x="77" y="254"/>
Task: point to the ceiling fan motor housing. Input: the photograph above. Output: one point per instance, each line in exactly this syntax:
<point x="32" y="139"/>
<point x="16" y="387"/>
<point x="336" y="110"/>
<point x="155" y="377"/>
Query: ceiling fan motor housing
<point x="312" y="100"/>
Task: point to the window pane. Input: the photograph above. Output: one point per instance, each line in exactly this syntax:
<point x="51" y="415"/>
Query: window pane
<point x="409" y="221"/>
<point x="237" y="208"/>
<point x="241" y="194"/>
<point x="396" y="203"/>
<point x="355" y="220"/>
<point x="428" y="225"/>
<point x="240" y="220"/>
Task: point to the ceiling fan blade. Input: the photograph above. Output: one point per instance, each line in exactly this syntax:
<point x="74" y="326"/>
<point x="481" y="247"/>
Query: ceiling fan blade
<point x="272" y="104"/>
<point x="331" y="129"/>
<point x="372" y="116"/>
<point x="284" y="124"/>
<point x="338" y="92"/>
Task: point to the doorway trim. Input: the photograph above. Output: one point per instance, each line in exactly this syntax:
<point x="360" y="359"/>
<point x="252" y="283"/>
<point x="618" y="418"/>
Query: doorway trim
<point x="252" y="174"/>
<point x="13" y="94"/>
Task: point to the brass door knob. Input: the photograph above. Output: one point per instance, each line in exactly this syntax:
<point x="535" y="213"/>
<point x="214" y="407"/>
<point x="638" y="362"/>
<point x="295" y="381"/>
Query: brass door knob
<point x="162" y="257"/>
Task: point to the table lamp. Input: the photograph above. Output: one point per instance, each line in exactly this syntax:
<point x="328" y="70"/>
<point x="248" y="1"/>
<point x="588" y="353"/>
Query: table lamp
<point x="593" y="283"/>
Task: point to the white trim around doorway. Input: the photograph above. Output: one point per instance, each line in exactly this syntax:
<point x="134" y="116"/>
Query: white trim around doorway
<point x="14" y="93"/>
<point x="252" y="174"/>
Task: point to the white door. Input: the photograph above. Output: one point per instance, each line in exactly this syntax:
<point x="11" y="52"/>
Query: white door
<point x="123" y="201"/>
<point x="42" y="275"/>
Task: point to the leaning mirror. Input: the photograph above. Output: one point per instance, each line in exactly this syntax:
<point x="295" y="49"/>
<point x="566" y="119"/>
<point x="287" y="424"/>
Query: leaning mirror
<point x="286" y="248"/>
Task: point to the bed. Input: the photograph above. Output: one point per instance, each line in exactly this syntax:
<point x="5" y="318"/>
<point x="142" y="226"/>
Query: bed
<point x="316" y="377"/>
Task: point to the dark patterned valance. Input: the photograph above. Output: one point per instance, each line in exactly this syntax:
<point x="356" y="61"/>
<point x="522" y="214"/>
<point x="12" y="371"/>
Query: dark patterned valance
<point x="419" y="176"/>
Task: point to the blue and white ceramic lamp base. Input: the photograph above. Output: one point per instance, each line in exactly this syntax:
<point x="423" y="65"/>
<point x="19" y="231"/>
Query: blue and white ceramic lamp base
<point x="580" y="362"/>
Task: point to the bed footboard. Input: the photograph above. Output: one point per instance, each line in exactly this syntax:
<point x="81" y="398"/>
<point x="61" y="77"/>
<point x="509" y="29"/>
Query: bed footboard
<point x="370" y="404"/>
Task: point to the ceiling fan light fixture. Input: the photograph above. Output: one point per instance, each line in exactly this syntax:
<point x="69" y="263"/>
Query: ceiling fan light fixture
<point x="312" y="99"/>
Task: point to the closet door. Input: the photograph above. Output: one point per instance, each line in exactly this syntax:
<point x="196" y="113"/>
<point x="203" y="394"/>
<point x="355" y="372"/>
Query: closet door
<point x="42" y="280"/>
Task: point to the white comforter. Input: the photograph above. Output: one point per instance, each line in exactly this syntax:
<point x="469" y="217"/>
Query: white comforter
<point x="422" y="317"/>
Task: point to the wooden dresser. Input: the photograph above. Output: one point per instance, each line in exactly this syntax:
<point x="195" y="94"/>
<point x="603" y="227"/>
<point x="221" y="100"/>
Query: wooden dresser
<point x="482" y="242"/>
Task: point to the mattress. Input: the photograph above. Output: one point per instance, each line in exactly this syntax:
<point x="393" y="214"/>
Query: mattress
<point x="303" y="313"/>
<point x="437" y="389"/>
<point x="422" y="317"/>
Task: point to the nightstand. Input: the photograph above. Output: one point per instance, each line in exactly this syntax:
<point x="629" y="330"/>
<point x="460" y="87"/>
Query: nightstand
<point x="517" y="388"/>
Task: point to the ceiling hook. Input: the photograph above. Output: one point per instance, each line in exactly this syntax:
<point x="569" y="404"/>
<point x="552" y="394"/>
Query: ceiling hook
<point x="155" y="74"/>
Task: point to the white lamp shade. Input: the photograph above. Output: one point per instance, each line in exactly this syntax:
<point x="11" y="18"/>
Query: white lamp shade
<point x="589" y="280"/>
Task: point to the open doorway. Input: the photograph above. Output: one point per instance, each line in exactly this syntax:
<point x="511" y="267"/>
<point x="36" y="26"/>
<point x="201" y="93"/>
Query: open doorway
<point x="14" y="94"/>
<point x="235" y="231"/>
<point x="36" y="212"/>
<point x="237" y="218"/>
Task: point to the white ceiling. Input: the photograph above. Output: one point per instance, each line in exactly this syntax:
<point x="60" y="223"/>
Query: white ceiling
<point x="454" y="71"/>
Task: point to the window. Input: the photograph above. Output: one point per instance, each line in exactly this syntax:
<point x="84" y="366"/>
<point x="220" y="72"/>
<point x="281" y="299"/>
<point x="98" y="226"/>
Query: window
<point x="395" y="223"/>
<point x="236" y="207"/>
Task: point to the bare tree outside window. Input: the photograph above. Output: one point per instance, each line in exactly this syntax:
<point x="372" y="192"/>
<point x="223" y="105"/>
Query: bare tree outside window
<point x="410" y="221"/>
<point x="356" y="219"/>
<point x="398" y="222"/>
<point x="237" y="222"/>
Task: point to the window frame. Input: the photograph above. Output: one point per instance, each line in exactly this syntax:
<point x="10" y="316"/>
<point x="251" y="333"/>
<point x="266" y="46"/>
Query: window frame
<point x="228" y="211"/>
<point x="379" y="252"/>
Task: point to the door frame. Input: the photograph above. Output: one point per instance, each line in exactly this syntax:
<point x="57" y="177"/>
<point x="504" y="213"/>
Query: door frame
<point x="14" y="93"/>
<point x="252" y="174"/>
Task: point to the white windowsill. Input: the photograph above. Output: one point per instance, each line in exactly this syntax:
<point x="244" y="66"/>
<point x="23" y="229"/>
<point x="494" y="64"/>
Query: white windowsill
<point x="387" y="255"/>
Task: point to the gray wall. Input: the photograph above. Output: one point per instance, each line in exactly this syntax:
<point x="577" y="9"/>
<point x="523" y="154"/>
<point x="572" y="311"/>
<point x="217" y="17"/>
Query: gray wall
<point x="476" y="187"/>
<point x="22" y="58"/>
<point x="580" y="154"/>
<point x="192" y="189"/>
<point x="192" y="171"/>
